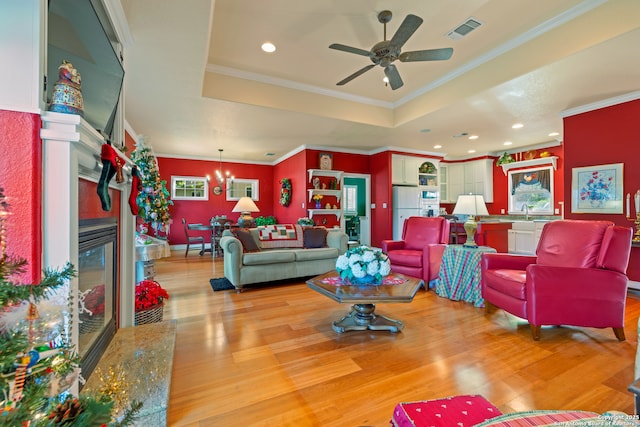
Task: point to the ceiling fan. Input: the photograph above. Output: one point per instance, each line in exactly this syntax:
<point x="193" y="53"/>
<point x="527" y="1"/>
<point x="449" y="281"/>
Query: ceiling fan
<point x="387" y="51"/>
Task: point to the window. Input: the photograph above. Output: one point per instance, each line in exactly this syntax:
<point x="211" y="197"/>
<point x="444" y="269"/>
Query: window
<point x="189" y="188"/>
<point x="531" y="191"/>
<point x="350" y="204"/>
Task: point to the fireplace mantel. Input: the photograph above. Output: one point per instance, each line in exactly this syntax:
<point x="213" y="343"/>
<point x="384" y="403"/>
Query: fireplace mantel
<point x="71" y="150"/>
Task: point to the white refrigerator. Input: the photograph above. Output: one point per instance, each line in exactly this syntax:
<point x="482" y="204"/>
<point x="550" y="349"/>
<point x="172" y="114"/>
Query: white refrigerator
<point x="406" y="203"/>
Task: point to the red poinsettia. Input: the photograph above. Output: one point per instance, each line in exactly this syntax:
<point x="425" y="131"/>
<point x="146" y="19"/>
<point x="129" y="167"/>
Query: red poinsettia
<point x="148" y="294"/>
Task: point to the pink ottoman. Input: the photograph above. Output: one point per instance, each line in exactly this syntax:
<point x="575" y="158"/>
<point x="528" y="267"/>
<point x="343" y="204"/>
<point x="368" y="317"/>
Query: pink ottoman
<point x="462" y="411"/>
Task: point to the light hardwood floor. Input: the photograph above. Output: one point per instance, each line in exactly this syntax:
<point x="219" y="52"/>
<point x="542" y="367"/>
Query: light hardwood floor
<point x="268" y="356"/>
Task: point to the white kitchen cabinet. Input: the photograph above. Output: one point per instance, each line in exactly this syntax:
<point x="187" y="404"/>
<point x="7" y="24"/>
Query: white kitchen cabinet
<point x="455" y="177"/>
<point x="478" y="178"/>
<point x="404" y="169"/>
<point x="524" y="236"/>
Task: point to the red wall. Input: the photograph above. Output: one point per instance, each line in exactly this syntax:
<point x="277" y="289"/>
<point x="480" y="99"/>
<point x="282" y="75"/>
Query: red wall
<point x="295" y="169"/>
<point x="501" y="184"/>
<point x="381" y="217"/>
<point x="607" y="135"/>
<point x="21" y="179"/>
<point x="202" y="211"/>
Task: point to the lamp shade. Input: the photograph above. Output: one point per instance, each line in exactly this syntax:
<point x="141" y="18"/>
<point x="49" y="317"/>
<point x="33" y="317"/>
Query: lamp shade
<point x="245" y="204"/>
<point x="470" y="204"/>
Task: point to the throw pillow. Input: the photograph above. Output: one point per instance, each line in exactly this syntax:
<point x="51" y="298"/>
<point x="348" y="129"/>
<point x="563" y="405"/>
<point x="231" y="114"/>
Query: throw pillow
<point x="315" y="237"/>
<point x="247" y="240"/>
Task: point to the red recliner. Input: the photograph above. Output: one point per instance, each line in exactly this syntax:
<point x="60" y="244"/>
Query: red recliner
<point x="419" y="253"/>
<point x="577" y="277"/>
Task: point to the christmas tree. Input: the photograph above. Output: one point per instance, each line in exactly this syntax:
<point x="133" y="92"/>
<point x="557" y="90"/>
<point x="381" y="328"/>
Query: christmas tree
<point x="153" y="200"/>
<point x="37" y="362"/>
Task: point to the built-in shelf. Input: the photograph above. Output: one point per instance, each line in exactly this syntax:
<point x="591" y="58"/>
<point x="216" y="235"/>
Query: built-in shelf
<point x="336" y="212"/>
<point x="553" y="160"/>
<point x="324" y="172"/>
<point x="334" y="193"/>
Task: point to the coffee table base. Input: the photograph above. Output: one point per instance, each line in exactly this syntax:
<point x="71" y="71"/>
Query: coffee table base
<point x="363" y="317"/>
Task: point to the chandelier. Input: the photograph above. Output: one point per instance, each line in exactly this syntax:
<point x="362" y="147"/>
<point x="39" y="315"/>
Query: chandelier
<point x="221" y="177"/>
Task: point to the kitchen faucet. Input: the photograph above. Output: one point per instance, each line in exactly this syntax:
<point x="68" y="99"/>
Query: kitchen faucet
<point x="525" y="208"/>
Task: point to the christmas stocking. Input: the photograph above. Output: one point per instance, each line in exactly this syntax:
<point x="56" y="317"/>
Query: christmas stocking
<point x="136" y="187"/>
<point x="109" y="166"/>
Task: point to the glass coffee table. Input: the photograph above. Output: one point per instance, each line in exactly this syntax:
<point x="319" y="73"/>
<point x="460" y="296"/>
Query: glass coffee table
<point x="396" y="288"/>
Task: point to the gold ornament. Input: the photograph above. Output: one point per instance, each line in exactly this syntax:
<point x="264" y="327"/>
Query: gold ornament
<point x="114" y="385"/>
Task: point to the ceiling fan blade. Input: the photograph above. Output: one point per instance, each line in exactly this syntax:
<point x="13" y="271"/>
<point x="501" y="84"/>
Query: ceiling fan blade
<point x="350" y="49"/>
<point x="407" y="28"/>
<point x="394" y="77"/>
<point x="356" y="74"/>
<point x="427" y="55"/>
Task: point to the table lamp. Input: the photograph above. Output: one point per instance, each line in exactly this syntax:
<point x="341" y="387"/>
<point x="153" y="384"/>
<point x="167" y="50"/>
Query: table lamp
<point x="472" y="205"/>
<point x="245" y="205"/>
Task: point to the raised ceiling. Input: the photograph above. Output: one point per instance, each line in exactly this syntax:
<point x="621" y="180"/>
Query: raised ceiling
<point x="196" y="79"/>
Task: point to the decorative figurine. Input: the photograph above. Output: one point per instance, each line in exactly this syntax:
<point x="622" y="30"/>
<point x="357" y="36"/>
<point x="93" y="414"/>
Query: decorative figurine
<point x="67" y="97"/>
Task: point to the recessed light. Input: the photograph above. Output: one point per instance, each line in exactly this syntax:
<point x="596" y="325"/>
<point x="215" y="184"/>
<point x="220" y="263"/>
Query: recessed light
<point x="517" y="126"/>
<point x="268" y="47"/>
<point x="460" y="135"/>
<point x="507" y="143"/>
<point x="437" y="147"/>
<point x="269" y="154"/>
<point x="425" y="130"/>
<point x="554" y="134"/>
<point x="385" y="79"/>
<point x="473" y="137"/>
<point x="471" y="151"/>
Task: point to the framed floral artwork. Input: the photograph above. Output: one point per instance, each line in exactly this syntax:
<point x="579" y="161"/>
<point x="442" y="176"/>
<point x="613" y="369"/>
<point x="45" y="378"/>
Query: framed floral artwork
<point x="597" y="189"/>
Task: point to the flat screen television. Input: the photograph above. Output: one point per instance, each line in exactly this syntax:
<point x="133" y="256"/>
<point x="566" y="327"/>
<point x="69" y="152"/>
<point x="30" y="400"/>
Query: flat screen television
<point x="79" y="32"/>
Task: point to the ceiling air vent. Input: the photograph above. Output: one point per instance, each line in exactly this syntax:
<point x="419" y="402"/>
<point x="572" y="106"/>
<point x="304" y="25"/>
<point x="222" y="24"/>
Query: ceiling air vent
<point x="462" y="30"/>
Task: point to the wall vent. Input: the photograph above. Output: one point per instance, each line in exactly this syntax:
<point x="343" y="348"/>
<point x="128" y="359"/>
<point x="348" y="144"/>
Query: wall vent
<point x="463" y="29"/>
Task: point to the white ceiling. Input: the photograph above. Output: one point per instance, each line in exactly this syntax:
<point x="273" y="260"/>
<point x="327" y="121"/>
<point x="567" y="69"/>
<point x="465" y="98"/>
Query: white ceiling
<point x="196" y="79"/>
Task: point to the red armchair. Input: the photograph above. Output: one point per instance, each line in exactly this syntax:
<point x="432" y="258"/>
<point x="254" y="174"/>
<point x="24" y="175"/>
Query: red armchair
<point x="419" y="253"/>
<point x="577" y="277"/>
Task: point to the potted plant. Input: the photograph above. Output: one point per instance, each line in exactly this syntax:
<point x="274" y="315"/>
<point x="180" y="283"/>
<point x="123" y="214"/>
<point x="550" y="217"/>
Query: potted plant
<point x="265" y="220"/>
<point x="150" y="298"/>
<point x="306" y="222"/>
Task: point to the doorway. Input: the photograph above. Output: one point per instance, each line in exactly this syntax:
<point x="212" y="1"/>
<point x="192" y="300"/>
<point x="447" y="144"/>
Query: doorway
<point x="356" y="218"/>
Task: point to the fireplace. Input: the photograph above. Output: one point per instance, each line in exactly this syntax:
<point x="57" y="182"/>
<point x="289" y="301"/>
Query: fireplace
<point x="97" y="288"/>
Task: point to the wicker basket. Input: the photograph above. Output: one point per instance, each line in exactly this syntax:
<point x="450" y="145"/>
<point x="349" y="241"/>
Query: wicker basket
<point x="150" y="315"/>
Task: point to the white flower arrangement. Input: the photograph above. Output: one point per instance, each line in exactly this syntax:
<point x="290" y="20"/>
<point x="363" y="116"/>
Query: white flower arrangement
<point x="363" y="265"/>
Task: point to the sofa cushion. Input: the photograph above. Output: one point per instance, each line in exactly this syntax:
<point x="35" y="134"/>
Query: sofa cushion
<point x="316" y="254"/>
<point x="543" y="418"/>
<point x="464" y="410"/>
<point x="409" y="258"/>
<point x="314" y="237"/>
<point x="269" y="257"/>
<point x="248" y="242"/>
<point x="508" y="282"/>
<point x="571" y="243"/>
<point x="280" y="236"/>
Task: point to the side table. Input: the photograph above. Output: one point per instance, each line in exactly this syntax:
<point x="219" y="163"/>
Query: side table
<point x="460" y="275"/>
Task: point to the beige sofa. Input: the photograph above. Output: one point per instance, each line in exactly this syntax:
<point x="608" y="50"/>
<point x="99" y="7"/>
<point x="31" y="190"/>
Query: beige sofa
<point x="268" y="264"/>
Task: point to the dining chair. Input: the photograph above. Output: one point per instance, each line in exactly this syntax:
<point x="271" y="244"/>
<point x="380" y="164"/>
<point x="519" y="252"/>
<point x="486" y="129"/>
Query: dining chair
<point x="192" y="239"/>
